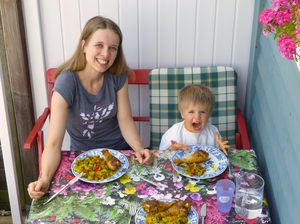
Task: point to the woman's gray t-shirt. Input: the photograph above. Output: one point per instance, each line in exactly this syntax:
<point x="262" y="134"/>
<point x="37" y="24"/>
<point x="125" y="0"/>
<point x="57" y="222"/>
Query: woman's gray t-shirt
<point x="92" y="121"/>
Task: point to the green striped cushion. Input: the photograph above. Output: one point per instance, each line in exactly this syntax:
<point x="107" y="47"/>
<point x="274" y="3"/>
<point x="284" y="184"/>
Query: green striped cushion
<point x="164" y="85"/>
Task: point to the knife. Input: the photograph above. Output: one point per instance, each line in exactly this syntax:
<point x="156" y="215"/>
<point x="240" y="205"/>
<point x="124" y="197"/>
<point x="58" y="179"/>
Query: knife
<point x="203" y="213"/>
<point x="71" y="182"/>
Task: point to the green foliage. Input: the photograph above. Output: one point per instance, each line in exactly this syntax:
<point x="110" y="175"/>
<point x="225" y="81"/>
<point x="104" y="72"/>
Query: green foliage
<point x="243" y="159"/>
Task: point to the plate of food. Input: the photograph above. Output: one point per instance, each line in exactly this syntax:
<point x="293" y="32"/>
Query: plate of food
<point x="100" y="165"/>
<point x="199" y="162"/>
<point x="166" y="211"/>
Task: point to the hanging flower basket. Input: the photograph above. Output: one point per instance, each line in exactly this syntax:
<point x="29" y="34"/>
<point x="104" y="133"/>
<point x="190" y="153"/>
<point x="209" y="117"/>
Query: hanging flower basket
<point x="283" y="20"/>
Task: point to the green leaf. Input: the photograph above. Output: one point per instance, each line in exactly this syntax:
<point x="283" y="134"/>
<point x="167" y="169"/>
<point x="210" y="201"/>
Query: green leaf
<point x="243" y="159"/>
<point x="85" y="213"/>
<point x="63" y="212"/>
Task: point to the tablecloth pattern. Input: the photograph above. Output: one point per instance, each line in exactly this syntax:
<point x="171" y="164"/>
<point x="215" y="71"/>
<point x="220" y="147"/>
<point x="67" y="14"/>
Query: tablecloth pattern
<point x="108" y="203"/>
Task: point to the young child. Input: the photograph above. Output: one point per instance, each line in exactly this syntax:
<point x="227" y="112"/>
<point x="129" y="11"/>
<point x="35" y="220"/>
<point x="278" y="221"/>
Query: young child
<point x="195" y="104"/>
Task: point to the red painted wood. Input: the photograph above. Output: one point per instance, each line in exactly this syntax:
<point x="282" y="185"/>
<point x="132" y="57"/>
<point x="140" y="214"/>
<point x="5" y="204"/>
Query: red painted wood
<point x="243" y="131"/>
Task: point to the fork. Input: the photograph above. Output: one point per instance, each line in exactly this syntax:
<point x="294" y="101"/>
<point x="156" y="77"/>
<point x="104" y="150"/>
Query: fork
<point x="229" y="169"/>
<point x="132" y="211"/>
<point x="160" y="186"/>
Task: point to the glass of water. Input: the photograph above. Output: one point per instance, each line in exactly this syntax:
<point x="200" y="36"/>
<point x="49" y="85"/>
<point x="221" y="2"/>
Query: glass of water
<point x="249" y="195"/>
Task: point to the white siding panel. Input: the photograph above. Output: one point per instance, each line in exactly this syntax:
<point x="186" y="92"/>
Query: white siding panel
<point x="205" y="30"/>
<point x="70" y="26"/>
<point x="110" y="9"/>
<point x="35" y="49"/>
<point x="147" y="34"/>
<point x="144" y="101"/>
<point x="186" y="32"/>
<point x="166" y="45"/>
<point x="224" y="32"/>
<point x="144" y="132"/>
<point x="87" y="11"/>
<point x="133" y="91"/>
<point x="129" y="26"/>
<point x="240" y="57"/>
<point x="52" y="33"/>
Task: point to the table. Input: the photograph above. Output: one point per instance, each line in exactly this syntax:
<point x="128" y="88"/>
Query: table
<point x="108" y="203"/>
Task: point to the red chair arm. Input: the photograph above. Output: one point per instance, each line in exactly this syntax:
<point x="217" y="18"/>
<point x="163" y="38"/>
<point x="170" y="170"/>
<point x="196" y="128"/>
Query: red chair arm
<point x="243" y="133"/>
<point x="141" y="119"/>
<point x="30" y="140"/>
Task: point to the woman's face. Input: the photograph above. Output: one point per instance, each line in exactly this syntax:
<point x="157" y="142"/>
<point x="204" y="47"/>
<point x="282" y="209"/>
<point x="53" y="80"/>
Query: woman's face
<point x="195" y="116"/>
<point x="101" y="50"/>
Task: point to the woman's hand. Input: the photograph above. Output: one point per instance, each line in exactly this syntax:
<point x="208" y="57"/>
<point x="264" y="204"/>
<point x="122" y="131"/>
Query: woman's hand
<point x="144" y="156"/>
<point x="223" y="144"/>
<point x="38" y="189"/>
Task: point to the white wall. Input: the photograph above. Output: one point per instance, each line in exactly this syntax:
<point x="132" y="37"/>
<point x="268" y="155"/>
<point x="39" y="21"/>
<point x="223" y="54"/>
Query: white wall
<point x="157" y="33"/>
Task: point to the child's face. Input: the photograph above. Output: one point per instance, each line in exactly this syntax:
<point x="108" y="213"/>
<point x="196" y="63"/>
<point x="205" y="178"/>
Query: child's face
<point x="195" y="116"/>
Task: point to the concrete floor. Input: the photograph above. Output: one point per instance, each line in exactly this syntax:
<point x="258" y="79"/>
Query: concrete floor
<point x="5" y="219"/>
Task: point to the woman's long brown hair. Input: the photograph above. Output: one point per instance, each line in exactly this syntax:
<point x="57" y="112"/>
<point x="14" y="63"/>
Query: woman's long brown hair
<point x="78" y="62"/>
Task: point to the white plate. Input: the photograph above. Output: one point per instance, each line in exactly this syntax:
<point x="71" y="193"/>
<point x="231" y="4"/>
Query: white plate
<point x="141" y="215"/>
<point x="214" y="165"/>
<point x="98" y="152"/>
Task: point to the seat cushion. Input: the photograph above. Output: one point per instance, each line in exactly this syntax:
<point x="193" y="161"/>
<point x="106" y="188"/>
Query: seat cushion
<point x="164" y="85"/>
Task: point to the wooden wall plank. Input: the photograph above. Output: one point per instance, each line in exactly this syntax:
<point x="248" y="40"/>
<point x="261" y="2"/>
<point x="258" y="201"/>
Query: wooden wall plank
<point x="224" y="32"/>
<point x="129" y="26"/>
<point x="70" y="21"/>
<point x="18" y="108"/>
<point x="241" y="56"/>
<point x="147" y="33"/>
<point x="87" y="11"/>
<point x="110" y="9"/>
<point x="186" y="28"/>
<point x="10" y="168"/>
<point x="205" y="31"/>
<point x="134" y="99"/>
<point x="51" y="34"/>
<point x="166" y="44"/>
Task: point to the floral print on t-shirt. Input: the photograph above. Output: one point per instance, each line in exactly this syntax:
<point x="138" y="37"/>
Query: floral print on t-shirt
<point x="97" y="116"/>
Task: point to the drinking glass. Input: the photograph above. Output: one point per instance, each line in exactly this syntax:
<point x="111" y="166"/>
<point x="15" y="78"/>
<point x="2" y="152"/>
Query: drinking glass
<point x="225" y="192"/>
<point x="249" y="195"/>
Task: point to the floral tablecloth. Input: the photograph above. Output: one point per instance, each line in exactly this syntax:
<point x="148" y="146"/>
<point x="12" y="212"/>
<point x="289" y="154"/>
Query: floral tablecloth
<point x="108" y="203"/>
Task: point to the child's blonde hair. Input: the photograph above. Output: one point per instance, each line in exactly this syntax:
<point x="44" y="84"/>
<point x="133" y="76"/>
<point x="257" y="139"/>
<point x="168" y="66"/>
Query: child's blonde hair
<point x="196" y="94"/>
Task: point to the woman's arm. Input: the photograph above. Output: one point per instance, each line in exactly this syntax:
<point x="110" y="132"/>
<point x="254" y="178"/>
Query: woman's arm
<point x="52" y="151"/>
<point x="128" y="127"/>
<point x="57" y="128"/>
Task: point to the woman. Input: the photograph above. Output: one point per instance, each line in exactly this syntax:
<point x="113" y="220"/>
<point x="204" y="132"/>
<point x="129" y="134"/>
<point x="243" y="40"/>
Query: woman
<point x="90" y="100"/>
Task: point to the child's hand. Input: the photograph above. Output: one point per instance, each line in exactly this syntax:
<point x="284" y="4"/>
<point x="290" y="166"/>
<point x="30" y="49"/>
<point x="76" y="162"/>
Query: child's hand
<point x="175" y="145"/>
<point x="223" y="144"/>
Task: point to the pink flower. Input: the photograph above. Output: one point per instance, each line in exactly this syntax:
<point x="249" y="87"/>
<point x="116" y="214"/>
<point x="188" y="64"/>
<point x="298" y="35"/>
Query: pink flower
<point x="283" y="17"/>
<point x="297" y="32"/>
<point x="140" y="186"/>
<point x="277" y="4"/>
<point x="283" y="21"/>
<point x="196" y="196"/>
<point x="266" y="16"/>
<point x="287" y="47"/>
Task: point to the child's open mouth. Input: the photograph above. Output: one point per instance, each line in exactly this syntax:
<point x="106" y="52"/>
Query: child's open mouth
<point x="196" y="126"/>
